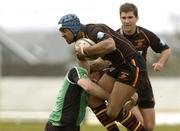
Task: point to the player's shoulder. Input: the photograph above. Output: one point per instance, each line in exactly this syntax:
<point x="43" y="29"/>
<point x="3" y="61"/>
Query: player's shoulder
<point x="76" y="73"/>
<point x="142" y="29"/>
<point x="77" y="69"/>
<point x="91" y="26"/>
<point x="118" y="30"/>
<point x="89" y="29"/>
<point x="146" y="31"/>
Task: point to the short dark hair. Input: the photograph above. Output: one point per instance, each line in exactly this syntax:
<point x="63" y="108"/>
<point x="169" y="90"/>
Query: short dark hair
<point x="126" y="7"/>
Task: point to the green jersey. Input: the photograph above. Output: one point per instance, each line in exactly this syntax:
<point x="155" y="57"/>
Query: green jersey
<point x="71" y="102"/>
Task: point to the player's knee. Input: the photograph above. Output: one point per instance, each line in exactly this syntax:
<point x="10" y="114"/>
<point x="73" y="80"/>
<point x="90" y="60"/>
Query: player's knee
<point x="149" y="126"/>
<point x="112" y="114"/>
<point x="94" y="102"/>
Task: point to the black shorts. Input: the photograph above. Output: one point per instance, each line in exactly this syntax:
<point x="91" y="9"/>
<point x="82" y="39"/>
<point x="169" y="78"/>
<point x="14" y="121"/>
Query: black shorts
<point x="50" y="127"/>
<point x="132" y="73"/>
<point x="146" y="96"/>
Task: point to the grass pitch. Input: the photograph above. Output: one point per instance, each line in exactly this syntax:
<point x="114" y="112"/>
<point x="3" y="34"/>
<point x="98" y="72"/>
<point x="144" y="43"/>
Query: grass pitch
<point x="19" y="126"/>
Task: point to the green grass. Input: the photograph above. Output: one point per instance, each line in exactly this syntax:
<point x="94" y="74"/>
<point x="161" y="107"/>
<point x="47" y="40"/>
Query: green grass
<point x="158" y="128"/>
<point x="18" y="126"/>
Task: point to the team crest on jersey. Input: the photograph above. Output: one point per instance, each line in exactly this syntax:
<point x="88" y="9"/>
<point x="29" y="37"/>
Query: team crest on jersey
<point x="123" y="75"/>
<point x="100" y="35"/>
<point x="139" y="43"/>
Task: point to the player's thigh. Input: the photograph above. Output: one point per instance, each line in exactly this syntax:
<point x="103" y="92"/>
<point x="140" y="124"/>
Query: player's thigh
<point x="94" y="101"/>
<point x="120" y="94"/>
<point x="136" y="111"/>
<point x="148" y="116"/>
<point x="70" y="128"/>
<point x="106" y="82"/>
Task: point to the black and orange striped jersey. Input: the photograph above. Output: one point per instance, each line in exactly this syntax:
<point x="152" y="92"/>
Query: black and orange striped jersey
<point x="125" y="50"/>
<point x="142" y="39"/>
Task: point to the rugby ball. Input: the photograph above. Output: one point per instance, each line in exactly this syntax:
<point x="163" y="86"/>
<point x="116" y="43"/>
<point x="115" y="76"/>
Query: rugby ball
<point x="84" y="42"/>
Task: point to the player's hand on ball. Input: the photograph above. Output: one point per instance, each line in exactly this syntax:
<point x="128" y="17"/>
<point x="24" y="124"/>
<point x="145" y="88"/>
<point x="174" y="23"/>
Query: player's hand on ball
<point x="78" y="52"/>
<point x="80" y="49"/>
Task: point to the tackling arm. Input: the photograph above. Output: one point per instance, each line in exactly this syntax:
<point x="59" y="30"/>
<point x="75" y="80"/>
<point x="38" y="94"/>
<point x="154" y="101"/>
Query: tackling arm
<point x="93" y="89"/>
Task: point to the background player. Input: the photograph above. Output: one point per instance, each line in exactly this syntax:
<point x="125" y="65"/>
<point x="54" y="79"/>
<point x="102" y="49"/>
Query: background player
<point x="142" y="39"/>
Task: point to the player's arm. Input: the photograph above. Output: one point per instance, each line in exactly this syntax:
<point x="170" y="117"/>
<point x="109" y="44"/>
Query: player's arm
<point x="158" y="66"/>
<point x="101" y="48"/>
<point x="93" y="89"/>
<point x="159" y="46"/>
<point x="84" y="64"/>
<point x="165" y="52"/>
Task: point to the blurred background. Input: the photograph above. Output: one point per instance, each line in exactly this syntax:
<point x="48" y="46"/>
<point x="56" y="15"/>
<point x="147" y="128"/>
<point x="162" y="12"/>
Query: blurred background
<point x="34" y="58"/>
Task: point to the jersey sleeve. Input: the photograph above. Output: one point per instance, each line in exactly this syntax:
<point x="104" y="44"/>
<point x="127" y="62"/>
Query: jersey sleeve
<point x="76" y="73"/>
<point x="157" y="44"/>
<point x="97" y="33"/>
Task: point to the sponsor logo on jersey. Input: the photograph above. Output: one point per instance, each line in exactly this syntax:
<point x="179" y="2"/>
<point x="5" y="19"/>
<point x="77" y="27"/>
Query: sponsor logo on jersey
<point x="162" y="42"/>
<point x="139" y="43"/>
<point x="100" y="35"/>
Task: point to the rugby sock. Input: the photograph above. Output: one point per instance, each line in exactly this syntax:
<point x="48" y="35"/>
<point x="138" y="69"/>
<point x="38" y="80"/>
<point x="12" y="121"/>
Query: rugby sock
<point x="128" y="120"/>
<point x="107" y="122"/>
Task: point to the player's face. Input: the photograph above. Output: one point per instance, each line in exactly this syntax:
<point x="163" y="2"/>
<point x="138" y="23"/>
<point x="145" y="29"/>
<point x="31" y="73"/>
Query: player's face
<point x="67" y="35"/>
<point x="128" y="20"/>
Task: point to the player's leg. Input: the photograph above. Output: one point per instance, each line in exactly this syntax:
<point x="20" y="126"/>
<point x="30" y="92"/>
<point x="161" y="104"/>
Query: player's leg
<point x="136" y="111"/>
<point x="50" y="127"/>
<point x="99" y="107"/>
<point x="146" y="105"/>
<point x="148" y="113"/>
<point x="120" y="94"/>
<point x="101" y="114"/>
<point x="106" y="82"/>
<point x="131" y="105"/>
<point x="149" y="118"/>
<point x="70" y="128"/>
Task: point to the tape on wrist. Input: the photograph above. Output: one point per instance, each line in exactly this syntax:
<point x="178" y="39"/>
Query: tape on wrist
<point x="84" y="52"/>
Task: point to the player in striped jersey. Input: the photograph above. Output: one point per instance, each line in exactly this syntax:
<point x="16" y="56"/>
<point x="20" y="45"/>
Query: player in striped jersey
<point x="143" y="39"/>
<point x="127" y="71"/>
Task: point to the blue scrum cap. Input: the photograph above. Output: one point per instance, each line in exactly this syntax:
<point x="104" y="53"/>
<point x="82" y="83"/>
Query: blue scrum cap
<point x="71" y="22"/>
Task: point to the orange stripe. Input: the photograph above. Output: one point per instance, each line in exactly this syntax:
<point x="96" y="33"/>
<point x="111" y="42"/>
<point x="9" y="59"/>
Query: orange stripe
<point x="137" y="127"/>
<point x="145" y="36"/>
<point x="133" y="62"/>
<point x="100" y="112"/>
<point x="127" y="118"/>
<point x="137" y="73"/>
<point x="110" y="124"/>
